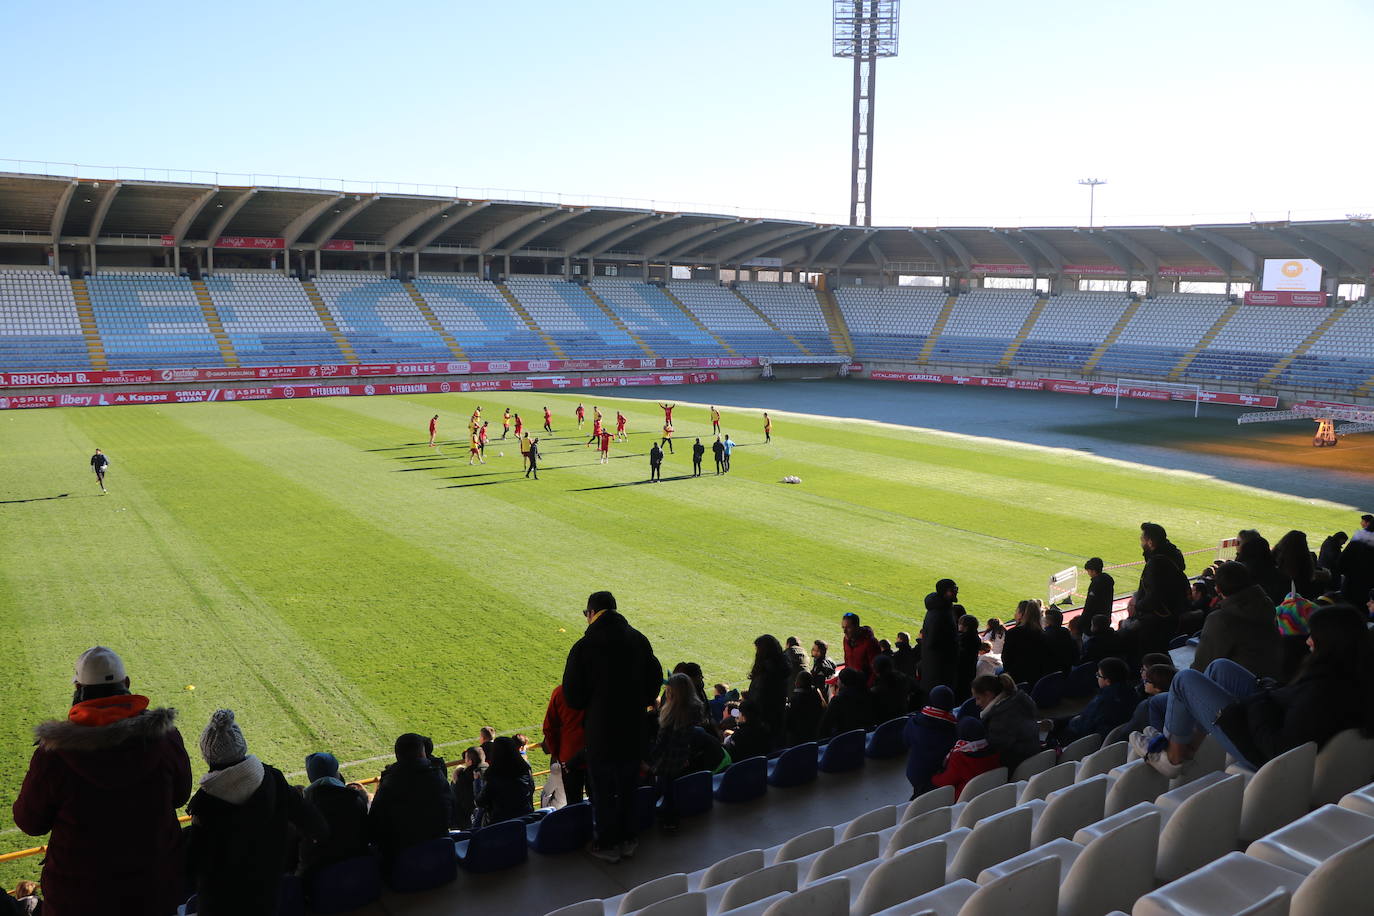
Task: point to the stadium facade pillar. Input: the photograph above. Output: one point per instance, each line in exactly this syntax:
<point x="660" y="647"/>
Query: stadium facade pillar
<point x="91" y="250"/>
<point x="387" y="262"/>
<point x="567" y="267"/>
<point x="415" y="264"/>
<point x="507" y="265"/>
<point x="591" y="267"/>
<point x="1063" y="284"/>
<point x="1158" y="284"/>
<point x="317" y="261"/>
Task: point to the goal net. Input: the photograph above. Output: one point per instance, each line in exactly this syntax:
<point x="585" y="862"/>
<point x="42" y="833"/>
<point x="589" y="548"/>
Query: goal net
<point x="1142" y="389"/>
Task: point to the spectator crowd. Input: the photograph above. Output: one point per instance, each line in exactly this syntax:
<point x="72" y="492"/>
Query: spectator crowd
<point x="1281" y="655"/>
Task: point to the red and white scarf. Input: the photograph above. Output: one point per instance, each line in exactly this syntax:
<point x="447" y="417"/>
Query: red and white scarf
<point x="935" y="712"/>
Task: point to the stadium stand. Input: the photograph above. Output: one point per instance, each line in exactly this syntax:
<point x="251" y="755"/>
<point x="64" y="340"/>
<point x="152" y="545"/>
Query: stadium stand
<point x="567" y="314"/>
<point x="39" y="324"/>
<point x="1255" y="338"/>
<point x="1342" y="357"/>
<point x="379" y="319"/>
<point x="654" y="318"/>
<point x="982" y="325"/>
<point x="1069" y="329"/>
<point x="151" y="318"/>
<point x="893" y="322"/>
<point x="270" y="321"/>
<point x="1163" y="331"/>
<point x="732" y="320"/>
<point x="795" y="310"/>
<point x="479" y="317"/>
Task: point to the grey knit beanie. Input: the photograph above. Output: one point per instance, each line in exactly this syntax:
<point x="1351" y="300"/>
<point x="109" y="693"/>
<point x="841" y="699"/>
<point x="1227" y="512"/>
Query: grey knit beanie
<point x="222" y="744"/>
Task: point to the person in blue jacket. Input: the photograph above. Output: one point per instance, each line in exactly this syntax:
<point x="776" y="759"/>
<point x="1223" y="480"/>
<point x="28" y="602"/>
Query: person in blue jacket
<point x="1113" y="704"/>
<point x="929" y="734"/>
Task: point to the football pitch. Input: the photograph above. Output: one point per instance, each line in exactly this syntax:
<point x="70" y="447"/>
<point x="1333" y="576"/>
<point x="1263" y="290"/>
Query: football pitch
<point x="315" y="566"/>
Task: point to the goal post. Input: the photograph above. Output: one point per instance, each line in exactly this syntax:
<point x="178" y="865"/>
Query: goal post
<point x="1151" y="390"/>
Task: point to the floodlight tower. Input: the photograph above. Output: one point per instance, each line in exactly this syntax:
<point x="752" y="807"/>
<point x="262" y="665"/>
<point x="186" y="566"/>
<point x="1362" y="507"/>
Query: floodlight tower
<point x="1092" y="185"/>
<point x="864" y="30"/>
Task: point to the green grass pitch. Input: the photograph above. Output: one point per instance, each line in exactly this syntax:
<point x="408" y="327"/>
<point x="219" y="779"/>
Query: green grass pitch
<point x="316" y="567"/>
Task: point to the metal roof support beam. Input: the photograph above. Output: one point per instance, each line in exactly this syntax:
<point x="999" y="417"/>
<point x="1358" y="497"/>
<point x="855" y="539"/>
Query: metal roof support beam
<point x="344" y="216"/>
<point x="1141" y="252"/>
<point x="59" y="216"/>
<point x="936" y="253"/>
<point x="1238" y="252"/>
<point x="879" y="259"/>
<point x="405" y="227"/>
<point x="222" y="222"/>
<point x="293" y="229"/>
<point x="98" y="219"/>
<point x="848" y="248"/>
<point x="1119" y="255"/>
<point x="1359" y="260"/>
<point x="183" y="224"/>
<point x="816" y="249"/>
<point x="606" y="242"/>
<point x="522" y="239"/>
<point x="712" y="235"/>
<point x="1053" y="256"/>
<point x="953" y="244"/>
<point x="1019" y="248"/>
<point x="493" y="237"/>
<point x="1215" y="256"/>
<point x="669" y="245"/>
<point x="442" y="225"/>
<point x="594" y="234"/>
<point x="789" y="242"/>
<point x="772" y="237"/>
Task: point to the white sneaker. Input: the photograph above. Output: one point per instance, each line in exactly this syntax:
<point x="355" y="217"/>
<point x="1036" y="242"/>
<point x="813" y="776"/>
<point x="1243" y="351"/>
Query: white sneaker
<point x="609" y="854"/>
<point x="1139" y="743"/>
<point x="628" y="848"/>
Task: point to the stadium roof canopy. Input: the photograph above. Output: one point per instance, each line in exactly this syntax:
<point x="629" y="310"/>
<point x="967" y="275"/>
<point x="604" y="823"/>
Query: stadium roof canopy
<point x="45" y="210"/>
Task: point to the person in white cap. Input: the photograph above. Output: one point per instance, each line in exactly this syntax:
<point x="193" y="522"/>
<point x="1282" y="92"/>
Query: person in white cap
<point x="107" y="782"/>
<point x="239" y="835"/>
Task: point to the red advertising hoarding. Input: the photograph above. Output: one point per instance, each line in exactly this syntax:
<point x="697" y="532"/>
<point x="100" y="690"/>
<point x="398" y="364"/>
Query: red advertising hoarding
<point x="1279" y="297"/>
<point x="48" y="379"/>
<point x="1079" y="386"/>
<point x="290" y="392"/>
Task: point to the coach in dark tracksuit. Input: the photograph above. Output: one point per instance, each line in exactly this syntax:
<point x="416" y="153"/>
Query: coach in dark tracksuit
<point x="612" y="675"/>
<point x="533" y="457"/>
<point x="698" y="450"/>
<point x="655" y="463"/>
<point x="718" y="449"/>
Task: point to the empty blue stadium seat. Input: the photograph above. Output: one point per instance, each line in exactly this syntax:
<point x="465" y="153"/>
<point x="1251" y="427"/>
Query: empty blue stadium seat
<point x="564" y="830"/>
<point x="344" y="885"/>
<point x="646" y="803"/>
<point x="423" y="866"/>
<point x="742" y="781"/>
<point x="1082" y="681"/>
<point x="494" y="847"/>
<point x="290" y="897"/>
<point x="1049" y="690"/>
<point x="796" y="766"/>
<point x="886" y="740"/>
<point x="692" y="794"/>
<point x="843" y="753"/>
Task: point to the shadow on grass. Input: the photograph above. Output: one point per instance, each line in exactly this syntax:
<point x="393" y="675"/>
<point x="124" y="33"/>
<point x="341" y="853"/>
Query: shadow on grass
<point x="629" y="483"/>
<point x="39" y="499"/>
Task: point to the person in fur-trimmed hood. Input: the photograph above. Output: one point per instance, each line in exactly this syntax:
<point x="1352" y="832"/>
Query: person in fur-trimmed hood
<point x="107" y="782"/>
<point x="239" y="837"/>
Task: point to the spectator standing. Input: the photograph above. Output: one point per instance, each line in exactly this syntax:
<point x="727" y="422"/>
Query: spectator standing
<point x="239" y="836"/>
<point x="344" y="811"/>
<point x="805" y="706"/>
<point x="1241" y="627"/>
<point x="770" y="679"/>
<point x="1161" y="597"/>
<point x="1027" y="656"/>
<point x="939" y="643"/>
<point x="796" y="656"/>
<point x="905" y="657"/>
<point x="929" y="736"/>
<point x="107" y="782"/>
<point x="822" y="668"/>
<point x="1101" y="589"/>
<point x="413" y="802"/>
<point x="860" y="646"/>
<point x="967" y="648"/>
<point x="565" y="742"/>
<point x="612" y="675"/>
<point x="1009" y="715"/>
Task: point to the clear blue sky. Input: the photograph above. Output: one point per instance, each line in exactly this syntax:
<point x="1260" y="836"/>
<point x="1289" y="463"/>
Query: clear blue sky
<point x="1192" y="110"/>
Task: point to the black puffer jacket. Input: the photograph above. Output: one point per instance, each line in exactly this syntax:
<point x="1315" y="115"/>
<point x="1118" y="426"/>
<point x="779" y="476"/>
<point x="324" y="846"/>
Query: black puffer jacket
<point x="413" y="803"/>
<point x="345" y="813"/>
<point x="1242" y="629"/>
<point x="1013" y="728"/>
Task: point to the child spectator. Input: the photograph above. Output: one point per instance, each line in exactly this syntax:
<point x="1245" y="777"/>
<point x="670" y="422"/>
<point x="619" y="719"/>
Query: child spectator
<point x="1111" y="706"/>
<point x="485" y="735"/>
<point x="750" y="738"/>
<point x="682" y="745"/>
<point x="970" y="756"/>
<point x="507" y="790"/>
<point x="1064" y="648"/>
<point x="716" y="706"/>
<point x="929" y="735"/>
<point x="465" y="781"/>
<point x="26" y="901"/>
<point x="1158" y="679"/>
<point x="237" y="846"/>
<point x="995" y="635"/>
<point x="565" y="742"/>
<point x="344" y="811"/>
<point x="987" y="662"/>
<point x="1103" y="641"/>
<point x="1008" y="715"/>
<point x="850" y="708"/>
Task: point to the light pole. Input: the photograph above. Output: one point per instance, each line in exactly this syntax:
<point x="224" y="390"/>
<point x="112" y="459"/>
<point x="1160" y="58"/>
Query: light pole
<point x="1092" y="184"/>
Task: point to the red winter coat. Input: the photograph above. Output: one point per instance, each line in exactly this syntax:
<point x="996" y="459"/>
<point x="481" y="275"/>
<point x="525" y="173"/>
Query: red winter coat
<point x="860" y="655"/>
<point x="563" y="734"/>
<point x="107" y="784"/>
<point x="961" y="767"/>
